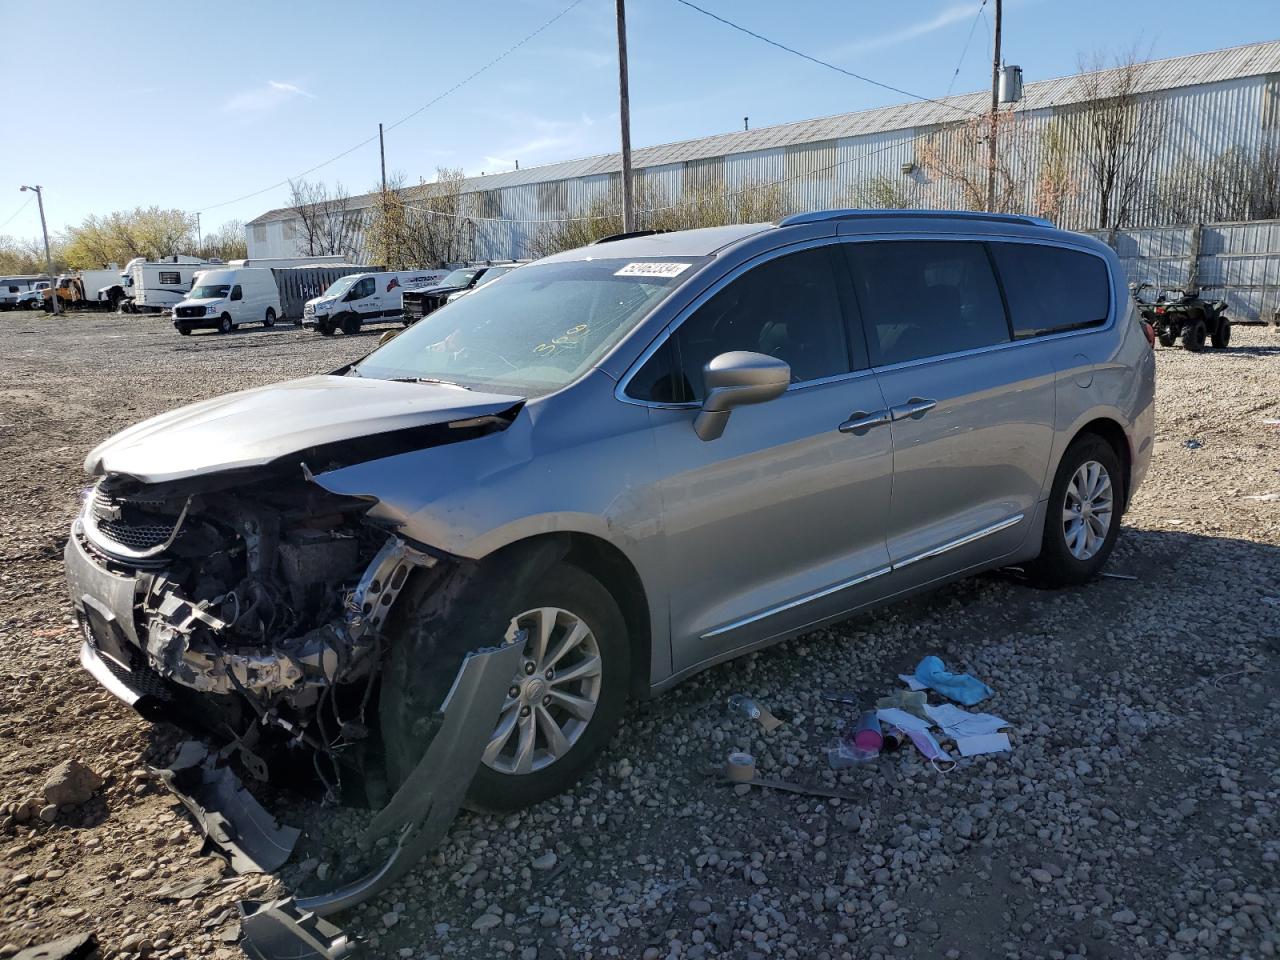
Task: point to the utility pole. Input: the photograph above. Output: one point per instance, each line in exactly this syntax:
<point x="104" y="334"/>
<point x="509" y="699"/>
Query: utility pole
<point x="48" y="260"/>
<point x="382" y="153"/>
<point x="624" y="111"/>
<point x="199" y="235"/>
<point x="995" y="107"/>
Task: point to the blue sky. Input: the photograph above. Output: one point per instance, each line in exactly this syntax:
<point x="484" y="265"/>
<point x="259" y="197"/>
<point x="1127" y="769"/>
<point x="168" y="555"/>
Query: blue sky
<point x="188" y="105"/>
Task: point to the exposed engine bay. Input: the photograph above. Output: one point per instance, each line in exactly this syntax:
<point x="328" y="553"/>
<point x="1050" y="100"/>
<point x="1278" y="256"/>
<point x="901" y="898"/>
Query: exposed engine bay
<point x="270" y="595"/>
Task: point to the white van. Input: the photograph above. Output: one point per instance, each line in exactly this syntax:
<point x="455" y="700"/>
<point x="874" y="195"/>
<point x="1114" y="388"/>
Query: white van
<point x="360" y="298"/>
<point x="224" y="298"/>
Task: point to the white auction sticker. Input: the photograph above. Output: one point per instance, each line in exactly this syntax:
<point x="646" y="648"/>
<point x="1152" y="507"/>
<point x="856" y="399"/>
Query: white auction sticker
<point x="653" y="269"/>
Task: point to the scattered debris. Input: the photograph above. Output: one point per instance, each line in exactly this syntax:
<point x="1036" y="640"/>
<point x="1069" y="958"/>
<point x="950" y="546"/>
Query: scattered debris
<point x="740" y="767"/>
<point x="845" y="697"/>
<point x="79" y="946"/>
<point x="911" y="682"/>
<point x="1192" y="444"/>
<point x="1263" y="497"/>
<point x="957" y="723"/>
<point x="982" y="743"/>
<point x="911" y="702"/>
<point x="740" y="703"/>
<point x="1118" y="576"/>
<point x="226" y="812"/>
<point x="70" y="783"/>
<point x="959" y="687"/>
<point x="171" y="893"/>
<point x="281" y="931"/>
<point x="800" y="788"/>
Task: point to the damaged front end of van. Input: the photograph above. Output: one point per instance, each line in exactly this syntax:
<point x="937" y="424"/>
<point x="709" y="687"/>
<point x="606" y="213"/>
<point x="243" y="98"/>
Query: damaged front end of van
<point x="220" y="584"/>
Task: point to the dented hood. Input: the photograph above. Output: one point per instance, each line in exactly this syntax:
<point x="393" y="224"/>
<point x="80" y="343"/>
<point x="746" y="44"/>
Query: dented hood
<point x="255" y="427"/>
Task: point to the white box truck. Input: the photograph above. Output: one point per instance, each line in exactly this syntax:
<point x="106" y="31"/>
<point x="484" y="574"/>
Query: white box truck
<point x="361" y="298"/>
<point x="289" y="261"/>
<point x="11" y="288"/>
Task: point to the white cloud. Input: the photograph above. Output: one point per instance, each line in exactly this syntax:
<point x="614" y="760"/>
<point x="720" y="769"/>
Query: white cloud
<point x="269" y="96"/>
<point x="942" y="19"/>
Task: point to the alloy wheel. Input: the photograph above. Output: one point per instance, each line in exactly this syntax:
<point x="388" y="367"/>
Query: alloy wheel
<point x="553" y="695"/>
<point x="1087" y="510"/>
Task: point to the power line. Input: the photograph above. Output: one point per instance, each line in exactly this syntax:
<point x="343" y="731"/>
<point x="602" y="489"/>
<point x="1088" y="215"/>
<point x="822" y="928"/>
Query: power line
<point x="968" y="40"/>
<point x="454" y="89"/>
<point x="823" y="63"/>
<point x="24" y="206"/>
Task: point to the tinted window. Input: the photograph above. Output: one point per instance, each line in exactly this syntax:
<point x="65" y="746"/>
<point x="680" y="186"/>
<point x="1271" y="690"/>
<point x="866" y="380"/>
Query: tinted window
<point x="924" y="298"/>
<point x="788" y="308"/>
<point x="1050" y="289"/>
<point x="167" y="276"/>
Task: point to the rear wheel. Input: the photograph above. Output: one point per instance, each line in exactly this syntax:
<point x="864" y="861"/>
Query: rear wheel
<point x="1082" y="519"/>
<point x="1193" y="336"/>
<point x="224" y="324"/>
<point x="564" y="701"/>
<point x="1222" y="335"/>
<point x="270" y="319"/>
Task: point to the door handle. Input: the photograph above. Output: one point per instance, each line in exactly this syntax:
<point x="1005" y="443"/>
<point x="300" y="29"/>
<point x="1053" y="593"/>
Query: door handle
<point x="915" y="408"/>
<point x="859" y="423"/>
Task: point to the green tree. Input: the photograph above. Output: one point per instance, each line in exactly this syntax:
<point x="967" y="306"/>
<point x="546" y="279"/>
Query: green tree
<point x="118" y="237"/>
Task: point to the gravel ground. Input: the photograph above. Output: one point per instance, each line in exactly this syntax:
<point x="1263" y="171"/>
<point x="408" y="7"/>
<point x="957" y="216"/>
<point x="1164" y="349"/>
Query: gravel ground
<point x="1135" y="816"/>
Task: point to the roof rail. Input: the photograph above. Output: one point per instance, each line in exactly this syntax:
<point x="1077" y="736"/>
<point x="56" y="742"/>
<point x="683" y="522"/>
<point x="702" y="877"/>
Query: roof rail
<point x="626" y="236"/>
<point x="820" y="216"/>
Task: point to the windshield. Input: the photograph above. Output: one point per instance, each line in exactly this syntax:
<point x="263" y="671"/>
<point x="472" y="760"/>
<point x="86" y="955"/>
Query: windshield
<point x="340" y="286"/>
<point x="543" y="327"/>
<point x="459" y="278"/>
<point x="493" y="273"/>
<point x="209" y="292"/>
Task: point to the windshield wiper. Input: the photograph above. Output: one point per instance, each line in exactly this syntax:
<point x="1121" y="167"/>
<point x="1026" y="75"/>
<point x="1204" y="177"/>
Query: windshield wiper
<point x="443" y="383"/>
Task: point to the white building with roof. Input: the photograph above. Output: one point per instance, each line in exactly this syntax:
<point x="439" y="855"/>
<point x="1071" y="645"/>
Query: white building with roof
<point x="1192" y="116"/>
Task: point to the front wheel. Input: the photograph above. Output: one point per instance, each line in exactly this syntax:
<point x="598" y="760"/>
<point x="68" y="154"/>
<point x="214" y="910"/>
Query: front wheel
<point x="225" y="325"/>
<point x="351" y="324"/>
<point x="1082" y="519"/>
<point x="184" y="329"/>
<point x="1193" y="336"/>
<point x="270" y="319"/>
<point x="563" y="704"/>
<point x="1222" y="335"/>
<point x="1167" y="337"/>
<point x="326" y="329"/>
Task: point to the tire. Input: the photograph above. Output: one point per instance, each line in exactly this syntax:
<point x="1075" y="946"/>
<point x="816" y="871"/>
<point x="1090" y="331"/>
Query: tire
<point x="1193" y="336"/>
<point x="350" y="324"/>
<point x="1167" y="337"/>
<point x="270" y="319"/>
<point x="1058" y="565"/>
<point x="325" y="329"/>
<point x="184" y="329"/>
<point x="224" y="324"/>
<point x="1222" y="335"/>
<point x="431" y="618"/>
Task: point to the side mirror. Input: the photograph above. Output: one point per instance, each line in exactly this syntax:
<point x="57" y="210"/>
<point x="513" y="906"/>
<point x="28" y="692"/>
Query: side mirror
<point x="737" y="379"/>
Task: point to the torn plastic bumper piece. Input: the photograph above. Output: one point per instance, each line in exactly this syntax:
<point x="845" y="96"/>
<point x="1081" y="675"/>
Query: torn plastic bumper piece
<point x="227" y="813"/>
<point x="421" y="810"/>
<point x="277" y="931"/>
<point x="426" y="803"/>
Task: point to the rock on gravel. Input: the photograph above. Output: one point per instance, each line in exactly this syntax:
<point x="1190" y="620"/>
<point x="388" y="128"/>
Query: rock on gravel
<point x="70" y="783"/>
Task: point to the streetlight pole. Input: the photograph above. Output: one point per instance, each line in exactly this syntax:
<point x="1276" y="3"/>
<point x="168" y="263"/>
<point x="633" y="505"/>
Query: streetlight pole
<point x="624" y="111"/>
<point x="48" y="260"/>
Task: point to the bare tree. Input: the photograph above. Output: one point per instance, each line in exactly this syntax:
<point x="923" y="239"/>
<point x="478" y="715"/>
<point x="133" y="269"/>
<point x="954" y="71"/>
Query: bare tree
<point x="883" y="192"/>
<point x="428" y="225"/>
<point x="958" y="156"/>
<point x="327" y="222"/>
<point x="225" y="243"/>
<point x="1116" y="130"/>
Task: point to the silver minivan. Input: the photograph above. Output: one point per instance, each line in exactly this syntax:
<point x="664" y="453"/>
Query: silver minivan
<point x="635" y="460"/>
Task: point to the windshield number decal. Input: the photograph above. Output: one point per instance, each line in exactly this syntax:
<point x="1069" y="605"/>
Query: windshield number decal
<point x="653" y="269"/>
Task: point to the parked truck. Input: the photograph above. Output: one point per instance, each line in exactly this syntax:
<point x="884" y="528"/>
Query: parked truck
<point x="82" y="290"/>
<point x="14" y="288"/>
<point x="149" y="286"/>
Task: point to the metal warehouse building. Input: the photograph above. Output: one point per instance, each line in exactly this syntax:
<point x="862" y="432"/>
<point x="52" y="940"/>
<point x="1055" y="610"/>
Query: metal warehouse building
<point x="1195" y="115"/>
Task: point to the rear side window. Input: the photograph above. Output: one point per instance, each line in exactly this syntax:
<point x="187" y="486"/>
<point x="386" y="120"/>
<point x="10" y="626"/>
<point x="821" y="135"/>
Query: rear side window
<point x="1052" y="289"/>
<point x="788" y="308"/>
<point x="926" y="298"/>
<point x="170" y="276"/>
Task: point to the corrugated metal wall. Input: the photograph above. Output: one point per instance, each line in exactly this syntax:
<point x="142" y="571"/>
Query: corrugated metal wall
<point x="1236" y="262"/>
<point x="1190" y="128"/>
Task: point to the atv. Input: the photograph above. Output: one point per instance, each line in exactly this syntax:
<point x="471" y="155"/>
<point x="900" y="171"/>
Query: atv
<point x="1184" y="314"/>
